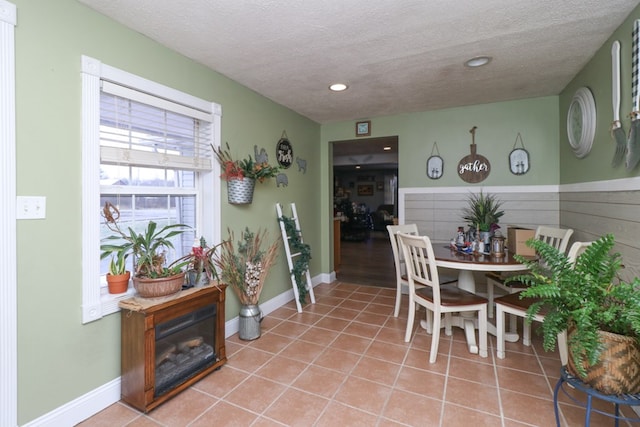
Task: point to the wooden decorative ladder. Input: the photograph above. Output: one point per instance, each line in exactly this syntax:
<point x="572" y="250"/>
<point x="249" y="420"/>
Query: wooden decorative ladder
<point x="291" y="257"/>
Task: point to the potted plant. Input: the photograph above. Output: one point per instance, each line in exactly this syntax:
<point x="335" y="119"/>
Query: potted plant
<point x="483" y="214"/>
<point x="151" y="278"/>
<point x="596" y="306"/>
<point x="241" y="175"/>
<point x="244" y="268"/>
<point x="118" y="276"/>
<point x="201" y="269"/>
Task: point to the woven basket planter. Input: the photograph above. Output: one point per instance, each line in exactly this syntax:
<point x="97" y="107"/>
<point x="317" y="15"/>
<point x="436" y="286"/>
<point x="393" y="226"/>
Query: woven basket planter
<point x="618" y="370"/>
<point x="162" y="287"/>
<point x="240" y="191"/>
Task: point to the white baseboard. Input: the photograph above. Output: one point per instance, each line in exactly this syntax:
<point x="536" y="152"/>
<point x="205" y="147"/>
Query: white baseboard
<point x="106" y="395"/>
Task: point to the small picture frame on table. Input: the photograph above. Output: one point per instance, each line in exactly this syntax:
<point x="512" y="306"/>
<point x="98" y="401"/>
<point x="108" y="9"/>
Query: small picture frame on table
<point x="363" y="128"/>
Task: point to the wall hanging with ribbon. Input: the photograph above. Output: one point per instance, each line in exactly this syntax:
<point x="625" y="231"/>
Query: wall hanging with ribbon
<point x="474" y="168"/>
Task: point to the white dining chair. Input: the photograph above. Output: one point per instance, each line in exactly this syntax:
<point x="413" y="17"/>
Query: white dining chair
<point x="398" y="259"/>
<point x="512" y="304"/>
<point x="425" y="290"/>
<point x="556" y="237"/>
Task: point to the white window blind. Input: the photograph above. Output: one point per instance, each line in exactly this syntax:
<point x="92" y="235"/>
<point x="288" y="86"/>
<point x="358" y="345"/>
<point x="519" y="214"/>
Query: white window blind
<point x="138" y="129"/>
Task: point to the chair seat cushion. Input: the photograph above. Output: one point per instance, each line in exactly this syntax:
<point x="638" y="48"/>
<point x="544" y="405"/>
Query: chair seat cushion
<point x="452" y="295"/>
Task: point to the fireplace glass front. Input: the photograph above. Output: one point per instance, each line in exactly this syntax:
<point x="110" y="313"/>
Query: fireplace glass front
<point x="184" y="346"/>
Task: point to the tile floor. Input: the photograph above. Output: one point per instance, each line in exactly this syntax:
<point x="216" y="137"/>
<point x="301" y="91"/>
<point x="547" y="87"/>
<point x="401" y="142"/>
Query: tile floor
<point x="343" y="361"/>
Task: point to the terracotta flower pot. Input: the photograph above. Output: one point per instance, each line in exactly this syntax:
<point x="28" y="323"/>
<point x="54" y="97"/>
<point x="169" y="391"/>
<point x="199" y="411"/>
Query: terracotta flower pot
<point x="118" y="283"/>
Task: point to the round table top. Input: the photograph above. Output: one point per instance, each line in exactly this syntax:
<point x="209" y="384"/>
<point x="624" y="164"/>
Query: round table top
<point x="451" y="258"/>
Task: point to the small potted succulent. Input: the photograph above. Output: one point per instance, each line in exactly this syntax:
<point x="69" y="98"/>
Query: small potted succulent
<point x="152" y="277"/>
<point x="241" y="175"/>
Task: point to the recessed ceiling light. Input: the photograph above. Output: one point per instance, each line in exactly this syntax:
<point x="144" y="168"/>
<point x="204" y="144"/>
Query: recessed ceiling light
<point x="478" y="61"/>
<point x="357" y="166"/>
<point x="387" y="148"/>
<point x="338" y="87"/>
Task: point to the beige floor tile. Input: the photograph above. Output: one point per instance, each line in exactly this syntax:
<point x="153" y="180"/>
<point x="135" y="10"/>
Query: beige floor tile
<point x="116" y="414"/>
<point x="351" y="343"/>
<point x="332" y="323"/>
<point x="524" y="382"/>
<point x="377" y="370"/>
<point x="473" y="395"/>
<point x="321" y="381"/>
<point x="456" y="415"/>
<point x="303" y="351"/>
<point x="297" y="408"/>
<point x="222" y="381"/>
<point x="338" y="360"/>
<point x="389" y="352"/>
<point x="319" y="336"/>
<point x="255" y="394"/>
<point x="290" y="329"/>
<point x="471" y="370"/>
<point x="282" y="369"/>
<point x="425" y="383"/>
<point x="363" y="394"/>
<point x="183" y="408"/>
<point x="338" y="414"/>
<point x="225" y="414"/>
<point x="344" y="313"/>
<point x="413" y="410"/>
<point x="527" y="409"/>
<point x="306" y="318"/>
<point x="271" y="342"/>
<point x="362" y="330"/>
<point x="249" y="359"/>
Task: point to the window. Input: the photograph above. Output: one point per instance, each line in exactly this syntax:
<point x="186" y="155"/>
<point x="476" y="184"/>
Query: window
<point x="146" y="149"/>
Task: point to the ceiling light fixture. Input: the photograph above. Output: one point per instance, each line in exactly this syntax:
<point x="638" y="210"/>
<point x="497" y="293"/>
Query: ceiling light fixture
<point x="338" y="87"/>
<point x="387" y="148"/>
<point x="357" y="166"/>
<point x="478" y="61"/>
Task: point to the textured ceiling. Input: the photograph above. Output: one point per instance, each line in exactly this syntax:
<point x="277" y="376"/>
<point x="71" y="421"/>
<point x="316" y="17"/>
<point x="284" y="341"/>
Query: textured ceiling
<point x="396" y="56"/>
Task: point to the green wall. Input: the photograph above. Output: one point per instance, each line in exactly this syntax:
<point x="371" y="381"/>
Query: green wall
<point x="59" y="358"/>
<point x="497" y="124"/>
<point x="596" y="75"/>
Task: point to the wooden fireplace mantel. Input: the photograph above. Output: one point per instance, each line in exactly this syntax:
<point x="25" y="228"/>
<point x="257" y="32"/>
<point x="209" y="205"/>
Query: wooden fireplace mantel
<point x="139" y="319"/>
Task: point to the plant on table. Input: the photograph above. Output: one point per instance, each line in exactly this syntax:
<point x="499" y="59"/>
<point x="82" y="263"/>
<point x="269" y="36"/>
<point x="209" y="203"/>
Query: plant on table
<point x="245" y="267"/>
<point x="200" y="260"/>
<point x="483" y="212"/>
<point x="589" y="296"/>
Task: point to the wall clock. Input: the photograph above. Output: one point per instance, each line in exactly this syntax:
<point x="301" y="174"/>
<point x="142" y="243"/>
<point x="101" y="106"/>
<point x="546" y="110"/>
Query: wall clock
<point x="581" y="122"/>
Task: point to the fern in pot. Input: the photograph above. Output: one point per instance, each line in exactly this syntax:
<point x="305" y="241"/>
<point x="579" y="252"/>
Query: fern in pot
<point x="600" y="311"/>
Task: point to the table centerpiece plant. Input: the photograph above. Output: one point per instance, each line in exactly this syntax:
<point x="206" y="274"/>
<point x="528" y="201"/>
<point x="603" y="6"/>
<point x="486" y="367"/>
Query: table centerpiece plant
<point x="596" y="306"/>
<point x="151" y="277"/>
<point x="483" y="214"/>
<point x="241" y="174"/>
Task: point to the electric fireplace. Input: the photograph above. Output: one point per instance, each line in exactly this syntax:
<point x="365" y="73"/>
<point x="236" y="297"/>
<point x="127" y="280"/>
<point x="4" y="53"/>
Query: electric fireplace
<point x="171" y="344"/>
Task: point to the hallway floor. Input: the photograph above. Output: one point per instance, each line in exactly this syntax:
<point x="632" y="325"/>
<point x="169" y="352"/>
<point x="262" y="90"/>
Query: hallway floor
<point x="343" y="361"/>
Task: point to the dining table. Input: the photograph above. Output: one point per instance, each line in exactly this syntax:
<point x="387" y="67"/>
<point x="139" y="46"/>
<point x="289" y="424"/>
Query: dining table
<point x="447" y="256"/>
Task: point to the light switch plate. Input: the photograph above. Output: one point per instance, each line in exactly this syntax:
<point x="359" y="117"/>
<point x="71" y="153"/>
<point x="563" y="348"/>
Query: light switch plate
<point x="31" y="207"/>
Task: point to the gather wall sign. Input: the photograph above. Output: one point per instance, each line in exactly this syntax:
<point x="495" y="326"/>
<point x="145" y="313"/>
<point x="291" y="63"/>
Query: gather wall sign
<point x="474" y="167"/>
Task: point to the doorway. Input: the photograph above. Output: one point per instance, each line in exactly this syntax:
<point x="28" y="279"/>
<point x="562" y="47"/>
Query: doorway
<point x="365" y="176"/>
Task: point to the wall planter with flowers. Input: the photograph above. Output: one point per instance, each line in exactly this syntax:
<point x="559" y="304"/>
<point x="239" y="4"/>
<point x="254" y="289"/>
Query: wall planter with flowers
<point x="151" y="278"/>
<point x="244" y="268"/>
<point x="241" y="175"/>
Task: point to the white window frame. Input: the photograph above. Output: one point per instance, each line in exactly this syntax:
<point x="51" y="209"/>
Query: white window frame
<point x="96" y="304"/>
<point x="8" y="205"/>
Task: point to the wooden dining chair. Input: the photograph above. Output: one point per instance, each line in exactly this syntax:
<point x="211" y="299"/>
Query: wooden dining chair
<point x="512" y="304"/>
<point x="425" y="290"/>
<point x="556" y="237"/>
<point x="398" y="259"/>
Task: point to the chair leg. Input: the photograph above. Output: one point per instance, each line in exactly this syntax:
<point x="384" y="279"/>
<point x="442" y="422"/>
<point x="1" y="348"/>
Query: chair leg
<point x="396" y="311"/>
<point x="490" y="306"/>
<point x="500" y="331"/>
<point x="435" y="337"/>
<point x="562" y="347"/>
<point x="513" y="323"/>
<point x="410" y="319"/>
<point x="482" y="331"/>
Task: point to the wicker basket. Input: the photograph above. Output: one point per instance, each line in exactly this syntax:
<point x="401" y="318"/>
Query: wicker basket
<point x="240" y="191"/>
<point x="618" y="370"/>
<point x="162" y="287"/>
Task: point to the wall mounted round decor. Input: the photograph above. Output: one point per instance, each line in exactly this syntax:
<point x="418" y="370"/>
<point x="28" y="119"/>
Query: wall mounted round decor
<point x="581" y="122"/>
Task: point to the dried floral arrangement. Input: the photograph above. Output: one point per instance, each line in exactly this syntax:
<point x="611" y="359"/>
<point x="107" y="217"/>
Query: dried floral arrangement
<point x="244" y="168"/>
<point x="245" y="267"/>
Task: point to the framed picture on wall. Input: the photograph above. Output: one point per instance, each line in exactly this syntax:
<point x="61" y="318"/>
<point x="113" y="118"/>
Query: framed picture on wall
<point x="365" y="190"/>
